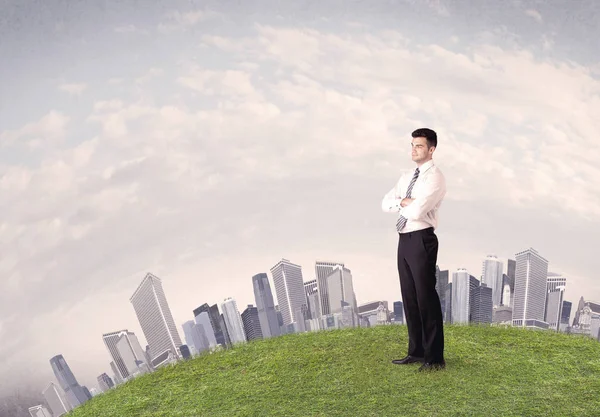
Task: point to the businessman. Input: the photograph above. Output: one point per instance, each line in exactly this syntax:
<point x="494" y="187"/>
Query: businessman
<point x="416" y="199"/>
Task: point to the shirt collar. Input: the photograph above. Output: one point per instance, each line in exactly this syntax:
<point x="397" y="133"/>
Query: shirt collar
<point x="426" y="166"/>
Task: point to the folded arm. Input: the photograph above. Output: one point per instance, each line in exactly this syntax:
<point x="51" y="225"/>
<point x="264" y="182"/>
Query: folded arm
<point x="391" y="200"/>
<point x="433" y="192"/>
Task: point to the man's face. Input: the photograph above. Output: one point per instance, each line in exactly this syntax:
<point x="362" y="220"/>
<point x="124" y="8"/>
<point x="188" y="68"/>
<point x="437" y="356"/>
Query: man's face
<point x="420" y="151"/>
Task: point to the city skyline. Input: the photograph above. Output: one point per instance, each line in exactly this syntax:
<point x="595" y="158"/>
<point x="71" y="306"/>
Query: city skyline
<point x="232" y="314"/>
<point x="187" y="141"/>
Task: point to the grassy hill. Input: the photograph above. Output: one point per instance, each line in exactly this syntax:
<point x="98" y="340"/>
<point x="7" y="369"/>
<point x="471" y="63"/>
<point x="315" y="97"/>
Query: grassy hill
<point x="490" y="372"/>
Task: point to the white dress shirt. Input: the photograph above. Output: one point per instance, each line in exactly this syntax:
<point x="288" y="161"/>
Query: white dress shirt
<point x="428" y="193"/>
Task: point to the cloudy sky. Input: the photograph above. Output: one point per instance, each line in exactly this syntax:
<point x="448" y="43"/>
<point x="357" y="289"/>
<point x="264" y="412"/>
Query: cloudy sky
<point x="205" y="141"/>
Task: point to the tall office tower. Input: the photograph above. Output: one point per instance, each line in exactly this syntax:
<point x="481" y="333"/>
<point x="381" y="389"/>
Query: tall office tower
<point x="289" y="287"/>
<point x="481" y="307"/>
<point x="322" y="270"/>
<point x="555" y="280"/>
<point x="265" y="305"/>
<point x="554" y="304"/>
<point x="155" y="318"/>
<point x="56" y="399"/>
<point x="226" y="335"/>
<point x="251" y="323"/>
<point x="531" y="276"/>
<point x="491" y="276"/>
<point x="463" y="285"/>
<point x="580" y="306"/>
<point x="116" y="373"/>
<point x="314" y="304"/>
<point x="511" y="269"/>
<point x="399" y="312"/>
<point x="39" y="411"/>
<point x="67" y="381"/>
<point x="188" y="335"/>
<point x="215" y="322"/>
<point x="233" y="321"/>
<point x="310" y="288"/>
<point x="441" y="283"/>
<point x="104" y="382"/>
<point x="340" y="289"/>
<point x="566" y="313"/>
<point x="131" y="343"/>
<point x="506" y="292"/>
<point x="448" y="304"/>
<point x="203" y="333"/>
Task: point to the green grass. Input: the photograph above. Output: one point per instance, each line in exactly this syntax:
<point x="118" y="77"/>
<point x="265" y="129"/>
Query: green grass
<point x="490" y="371"/>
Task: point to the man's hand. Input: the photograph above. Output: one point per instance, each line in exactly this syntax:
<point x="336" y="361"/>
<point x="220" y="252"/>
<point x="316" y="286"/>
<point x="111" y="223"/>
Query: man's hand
<point x="406" y="201"/>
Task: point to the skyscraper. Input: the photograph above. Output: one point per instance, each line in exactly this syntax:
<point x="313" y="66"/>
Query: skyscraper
<point x="531" y="276"/>
<point x="491" y="276"/>
<point x="233" y="321"/>
<point x="155" y="318"/>
<point x="67" y="381"/>
<point x="463" y="285"/>
<point x="441" y="284"/>
<point x="215" y="323"/>
<point x="132" y="343"/>
<point x="265" y="305"/>
<point x="322" y="270"/>
<point x="55" y="398"/>
<point x="340" y="289"/>
<point x="105" y="382"/>
<point x="39" y="411"/>
<point x="251" y="323"/>
<point x="289" y="287"/>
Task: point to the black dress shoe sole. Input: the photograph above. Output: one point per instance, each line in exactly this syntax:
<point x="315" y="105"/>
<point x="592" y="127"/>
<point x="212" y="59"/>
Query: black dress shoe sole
<point x="427" y="367"/>
<point x="407" y="361"/>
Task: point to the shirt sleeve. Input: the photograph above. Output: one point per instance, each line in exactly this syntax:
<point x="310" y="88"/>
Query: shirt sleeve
<point x="391" y="200"/>
<point x="434" y="191"/>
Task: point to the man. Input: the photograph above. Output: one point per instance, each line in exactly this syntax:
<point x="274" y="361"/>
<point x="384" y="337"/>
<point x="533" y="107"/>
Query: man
<point x="417" y="198"/>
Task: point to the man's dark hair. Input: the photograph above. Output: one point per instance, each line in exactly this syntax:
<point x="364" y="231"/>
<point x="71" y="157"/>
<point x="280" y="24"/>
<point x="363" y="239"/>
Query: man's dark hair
<point x="428" y="134"/>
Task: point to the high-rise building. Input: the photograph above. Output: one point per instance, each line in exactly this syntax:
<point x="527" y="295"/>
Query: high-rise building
<point x="203" y="333"/>
<point x="56" y="399"/>
<point x="481" y="307"/>
<point x="311" y="291"/>
<point x="265" y="306"/>
<point x="448" y="304"/>
<point x="511" y="269"/>
<point x="322" y="270"/>
<point x="130" y="344"/>
<point x="491" y="276"/>
<point x="398" y="312"/>
<point x="463" y="285"/>
<point x="555" y="280"/>
<point x="155" y="318"/>
<point x="105" y="382"/>
<point x="67" y="381"/>
<point x="289" y="287"/>
<point x="441" y="284"/>
<point x="215" y="323"/>
<point x="566" y="313"/>
<point x="39" y="411"/>
<point x="531" y="276"/>
<point x="340" y="289"/>
<point x="252" y="323"/>
<point x="233" y="321"/>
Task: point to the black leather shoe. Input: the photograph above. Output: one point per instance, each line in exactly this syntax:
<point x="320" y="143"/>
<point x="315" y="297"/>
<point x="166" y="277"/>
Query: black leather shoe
<point x="408" y="359"/>
<point x="432" y="366"/>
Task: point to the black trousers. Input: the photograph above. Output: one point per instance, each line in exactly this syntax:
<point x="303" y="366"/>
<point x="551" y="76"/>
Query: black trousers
<point x="417" y="259"/>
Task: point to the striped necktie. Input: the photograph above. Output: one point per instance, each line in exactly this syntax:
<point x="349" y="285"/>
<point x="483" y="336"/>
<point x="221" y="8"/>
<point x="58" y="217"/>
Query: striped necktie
<point x="402" y="220"/>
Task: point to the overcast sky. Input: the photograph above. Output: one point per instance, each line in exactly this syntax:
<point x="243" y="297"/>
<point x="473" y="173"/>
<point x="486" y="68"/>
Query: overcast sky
<point x="203" y="142"/>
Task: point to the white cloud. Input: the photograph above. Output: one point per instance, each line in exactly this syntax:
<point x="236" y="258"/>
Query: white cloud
<point x="74" y="89"/>
<point x="176" y="20"/>
<point x="534" y="14"/>
<point x="49" y="130"/>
